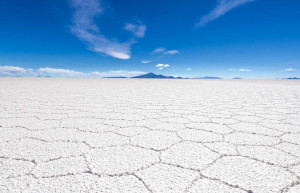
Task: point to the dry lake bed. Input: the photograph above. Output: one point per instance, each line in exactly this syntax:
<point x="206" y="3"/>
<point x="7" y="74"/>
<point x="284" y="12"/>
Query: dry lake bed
<point x="142" y="135"/>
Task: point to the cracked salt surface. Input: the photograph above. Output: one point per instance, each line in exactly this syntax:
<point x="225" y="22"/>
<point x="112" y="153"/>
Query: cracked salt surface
<point x="112" y="135"/>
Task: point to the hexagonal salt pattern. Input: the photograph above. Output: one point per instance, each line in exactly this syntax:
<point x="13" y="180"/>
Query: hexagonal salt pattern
<point x="294" y="189"/>
<point x="111" y="135"/>
<point x="74" y="183"/>
<point x="212" y="186"/>
<point x="166" y="178"/>
<point x="117" y="160"/>
<point x="190" y="155"/>
<point x="14" y="167"/>
<point x="156" y="140"/>
<point x="250" y="174"/>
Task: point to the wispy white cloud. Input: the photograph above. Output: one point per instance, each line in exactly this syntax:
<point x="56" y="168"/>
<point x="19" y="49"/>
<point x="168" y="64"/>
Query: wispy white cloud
<point x="171" y="52"/>
<point x="241" y="70"/>
<point x="137" y="30"/>
<point x="12" y="69"/>
<point x="117" y="73"/>
<point x="145" y="61"/>
<point x="290" y="69"/>
<point x="245" y="70"/>
<point x="188" y="69"/>
<point x="159" y="50"/>
<point x="162" y="66"/>
<point x="59" y="72"/>
<point x="85" y="29"/>
<point x="164" y="51"/>
<point x="222" y="8"/>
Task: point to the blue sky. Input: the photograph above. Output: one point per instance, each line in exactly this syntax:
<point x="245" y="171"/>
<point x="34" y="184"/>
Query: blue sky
<point x="194" y="38"/>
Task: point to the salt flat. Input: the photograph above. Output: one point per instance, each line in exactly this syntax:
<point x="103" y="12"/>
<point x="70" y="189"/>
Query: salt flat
<point x="125" y="135"/>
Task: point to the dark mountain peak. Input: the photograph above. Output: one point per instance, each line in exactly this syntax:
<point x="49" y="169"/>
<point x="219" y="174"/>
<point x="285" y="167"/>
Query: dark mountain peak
<point x="152" y="75"/>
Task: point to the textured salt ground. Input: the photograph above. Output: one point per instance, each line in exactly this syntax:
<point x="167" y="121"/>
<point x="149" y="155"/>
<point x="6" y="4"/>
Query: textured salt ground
<point x="124" y="135"/>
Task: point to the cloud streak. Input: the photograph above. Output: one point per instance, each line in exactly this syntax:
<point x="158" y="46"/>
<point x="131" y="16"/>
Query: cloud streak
<point x="164" y="51"/>
<point x="241" y="70"/>
<point x="171" y="52"/>
<point x="137" y="30"/>
<point x="159" y="50"/>
<point x="222" y="8"/>
<point x="12" y="71"/>
<point x="290" y="69"/>
<point x="145" y="61"/>
<point x="117" y="73"/>
<point x="15" y="71"/>
<point x="162" y="66"/>
<point x="245" y="70"/>
<point x="58" y="72"/>
<point x="85" y="29"/>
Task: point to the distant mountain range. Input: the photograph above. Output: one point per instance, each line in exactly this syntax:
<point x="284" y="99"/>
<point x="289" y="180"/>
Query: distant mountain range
<point x="293" y="78"/>
<point x="152" y="75"/>
<point x="237" y="78"/>
<point x="115" y="77"/>
<point x="207" y="77"/>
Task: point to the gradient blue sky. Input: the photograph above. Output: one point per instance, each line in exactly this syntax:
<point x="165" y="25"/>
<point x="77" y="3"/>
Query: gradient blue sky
<point x="225" y="38"/>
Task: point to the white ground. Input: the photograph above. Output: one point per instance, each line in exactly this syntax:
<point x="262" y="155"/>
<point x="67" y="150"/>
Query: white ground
<point x="125" y="135"/>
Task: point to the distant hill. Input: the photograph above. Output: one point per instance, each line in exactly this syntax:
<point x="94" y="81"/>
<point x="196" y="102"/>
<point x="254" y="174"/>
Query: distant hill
<point x="293" y="78"/>
<point x="208" y="77"/>
<point x="152" y="75"/>
<point x="237" y="78"/>
<point x="115" y="77"/>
